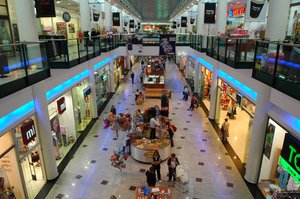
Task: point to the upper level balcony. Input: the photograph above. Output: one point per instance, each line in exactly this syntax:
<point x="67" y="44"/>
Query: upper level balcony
<point x="278" y="65"/>
<point x="22" y="65"/>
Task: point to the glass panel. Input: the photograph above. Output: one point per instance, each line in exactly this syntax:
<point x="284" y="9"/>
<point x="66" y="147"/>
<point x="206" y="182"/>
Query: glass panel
<point x="231" y="49"/>
<point x="97" y="44"/>
<point x="83" y="47"/>
<point x="36" y="59"/>
<point x="265" y="57"/>
<point x="245" y="50"/>
<point x="3" y="10"/>
<point x="222" y="48"/>
<point x="101" y="86"/>
<point x="5" y="37"/>
<point x="215" y="47"/>
<point x="73" y="48"/>
<point x="3" y="2"/>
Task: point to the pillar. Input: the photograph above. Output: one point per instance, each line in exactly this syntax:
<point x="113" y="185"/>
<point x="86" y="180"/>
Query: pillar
<point x="221" y="16"/>
<point x="196" y="77"/>
<point x="94" y="108"/>
<point x="108" y="15"/>
<point x="258" y="135"/>
<point x="213" y="93"/>
<point x="44" y="130"/>
<point x="277" y="23"/>
<point x="187" y="67"/>
<point x="27" y="25"/>
<point x="200" y="19"/>
<point x="84" y="15"/>
<point x="111" y="75"/>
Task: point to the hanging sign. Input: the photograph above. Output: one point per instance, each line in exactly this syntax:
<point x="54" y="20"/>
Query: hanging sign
<point x="66" y="17"/>
<point x="116" y="18"/>
<point x="28" y="132"/>
<point x="183" y="22"/>
<point x="174" y="24"/>
<point x="167" y="44"/>
<point x="210" y="13"/>
<point x="290" y="156"/>
<point x="96" y="10"/>
<point x="131" y="23"/>
<point x="61" y="105"/>
<point x="256" y="10"/>
<point x="45" y="8"/>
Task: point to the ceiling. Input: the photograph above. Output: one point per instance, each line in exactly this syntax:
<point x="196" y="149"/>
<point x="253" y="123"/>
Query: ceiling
<point x="155" y="10"/>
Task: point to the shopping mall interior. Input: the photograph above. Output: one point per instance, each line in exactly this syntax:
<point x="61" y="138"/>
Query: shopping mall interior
<point x="177" y="99"/>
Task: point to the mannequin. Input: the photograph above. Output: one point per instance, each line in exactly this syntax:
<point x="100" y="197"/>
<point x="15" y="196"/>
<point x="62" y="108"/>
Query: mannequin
<point x="63" y="132"/>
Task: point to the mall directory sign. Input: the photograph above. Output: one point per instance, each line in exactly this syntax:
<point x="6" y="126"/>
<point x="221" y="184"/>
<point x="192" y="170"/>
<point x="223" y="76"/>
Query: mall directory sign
<point x="45" y="8"/>
<point x="290" y="156"/>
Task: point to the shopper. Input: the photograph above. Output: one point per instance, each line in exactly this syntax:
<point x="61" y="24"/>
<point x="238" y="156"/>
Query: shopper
<point x="171" y="130"/>
<point x="172" y="164"/>
<point x="151" y="180"/>
<point x="132" y="77"/>
<point x="193" y="102"/>
<point x="185" y="93"/>
<point x="164" y="104"/>
<point x="153" y="125"/>
<point x="137" y="94"/>
<point x="142" y="76"/>
<point x="143" y="66"/>
<point x="225" y="130"/>
<point x="112" y="197"/>
<point x="113" y="110"/>
<point x="156" y="164"/>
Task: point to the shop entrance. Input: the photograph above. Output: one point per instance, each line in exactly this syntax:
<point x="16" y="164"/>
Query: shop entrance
<point x="205" y="85"/>
<point x="240" y="112"/>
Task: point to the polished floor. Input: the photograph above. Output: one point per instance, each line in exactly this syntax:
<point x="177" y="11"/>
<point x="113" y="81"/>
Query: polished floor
<point x="211" y="171"/>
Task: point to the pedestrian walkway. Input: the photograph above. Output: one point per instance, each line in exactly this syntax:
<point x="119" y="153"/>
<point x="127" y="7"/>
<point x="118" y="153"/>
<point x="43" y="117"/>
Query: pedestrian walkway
<point x="212" y="172"/>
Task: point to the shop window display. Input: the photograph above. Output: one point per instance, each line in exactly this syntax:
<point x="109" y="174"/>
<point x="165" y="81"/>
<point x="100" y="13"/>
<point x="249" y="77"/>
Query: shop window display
<point x="82" y="105"/>
<point x="10" y="181"/>
<point x="117" y="73"/>
<point x="62" y="120"/>
<point x="240" y="112"/>
<point x="275" y="174"/>
<point x="101" y="84"/>
<point x="191" y="75"/>
<point x="205" y="86"/>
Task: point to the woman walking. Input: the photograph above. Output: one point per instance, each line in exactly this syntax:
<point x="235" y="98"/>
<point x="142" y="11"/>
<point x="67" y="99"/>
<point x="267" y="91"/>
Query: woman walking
<point x="193" y="102"/>
<point x="225" y="130"/>
<point x="156" y="164"/>
<point x="172" y="164"/>
<point x="151" y="180"/>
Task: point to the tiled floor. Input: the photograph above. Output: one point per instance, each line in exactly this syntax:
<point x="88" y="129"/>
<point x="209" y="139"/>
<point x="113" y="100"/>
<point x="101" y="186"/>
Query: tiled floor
<point x="212" y="172"/>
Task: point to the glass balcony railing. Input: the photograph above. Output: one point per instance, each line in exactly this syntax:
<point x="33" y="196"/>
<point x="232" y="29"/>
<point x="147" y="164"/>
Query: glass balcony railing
<point x="278" y="65"/>
<point x="198" y="42"/>
<point x="22" y="65"/>
<point x="235" y="52"/>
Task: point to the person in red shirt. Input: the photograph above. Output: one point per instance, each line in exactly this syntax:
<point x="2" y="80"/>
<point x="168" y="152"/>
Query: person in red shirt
<point x="193" y="102"/>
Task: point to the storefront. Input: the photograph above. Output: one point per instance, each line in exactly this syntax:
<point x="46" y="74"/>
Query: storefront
<point x="69" y="115"/>
<point x="191" y="72"/>
<point x="21" y="169"/>
<point x="205" y="86"/>
<point x="120" y="61"/>
<point x="240" y="112"/>
<point x="101" y="85"/>
<point x="279" y="168"/>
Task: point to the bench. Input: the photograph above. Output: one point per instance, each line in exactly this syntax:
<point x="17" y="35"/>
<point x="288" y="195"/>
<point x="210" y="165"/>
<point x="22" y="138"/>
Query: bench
<point x="156" y="92"/>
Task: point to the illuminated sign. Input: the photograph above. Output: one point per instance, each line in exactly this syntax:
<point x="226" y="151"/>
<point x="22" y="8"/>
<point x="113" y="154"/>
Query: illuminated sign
<point x="28" y="132"/>
<point x="61" y="105"/>
<point x="290" y="156"/>
<point x="236" y="12"/>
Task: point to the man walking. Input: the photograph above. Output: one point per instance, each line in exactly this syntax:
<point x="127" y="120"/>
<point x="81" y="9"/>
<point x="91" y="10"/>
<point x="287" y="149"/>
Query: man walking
<point x="132" y="77"/>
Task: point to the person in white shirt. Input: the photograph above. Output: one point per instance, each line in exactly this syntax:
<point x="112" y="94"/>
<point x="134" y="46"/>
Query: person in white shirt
<point x="153" y="125"/>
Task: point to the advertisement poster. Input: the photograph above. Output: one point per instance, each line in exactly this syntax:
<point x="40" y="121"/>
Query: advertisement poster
<point x="55" y="128"/>
<point x="116" y="18"/>
<point x="210" y="13"/>
<point x="131" y="23"/>
<point x="96" y="10"/>
<point x="183" y="22"/>
<point x="28" y="132"/>
<point x="167" y="44"/>
<point x="269" y="140"/>
<point x="71" y="28"/>
<point x="256" y="10"/>
<point x="45" y="8"/>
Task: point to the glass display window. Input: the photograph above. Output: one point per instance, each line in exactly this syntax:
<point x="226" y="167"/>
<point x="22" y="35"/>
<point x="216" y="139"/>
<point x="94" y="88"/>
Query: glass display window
<point x="10" y="180"/>
<point x="63" y="128"/>
<point x="206" y="80"/>
<point x="101" y="85"/>
<point x="82" y="105"/>
<point x="117" y="74"/>
<point x="276" y="172"/>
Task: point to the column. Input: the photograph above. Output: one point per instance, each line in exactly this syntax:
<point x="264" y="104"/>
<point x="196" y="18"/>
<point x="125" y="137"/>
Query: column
<point x="108" y="15"/>
<point x="258" y="135"/>
<point x="94" y="108"/>
<point x="213" y="93"/>
<point x="221" y="16"/>
<point x="44" y="130"/>
<point x="200" y="19"/>
<point x="27" y="24"/>
<point x="111" y="75"/>
<point x="196" y="77"/>
<point x="277" y="23"/>
<point x="187" y="67"/>
<point x="84" y="15"/>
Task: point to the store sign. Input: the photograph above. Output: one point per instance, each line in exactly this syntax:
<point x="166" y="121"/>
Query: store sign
<point x="66" y="17"/>
<point x="183" y="22"/>
<point x="290" y="156"/>
<point x="61" y="105"/>
<point x="131" y="23"/>
<point x="28" y="132"/>
<point x="236" y="12"/>
<point x="116" y="18"/>
<point x="210" y="13"/>
<point x="45" y="8"/>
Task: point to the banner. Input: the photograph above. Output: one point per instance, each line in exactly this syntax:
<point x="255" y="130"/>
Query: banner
<point x="131" y="23"/>
<point x="137" y="39"/>
<point x="183" y="22"/>
<point x="45" y="8"/>
<point x="167" y="44"/>
<point x="269" y="140"/>
<point x="256" y="10"/>
<point x="116" y="18"/>
<point x="174" y="24"/>
<point x="96" y="12"/>
<point x="210" y="13"/>
<point x="125" y="23"/>
<point x="192" y="21"/>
